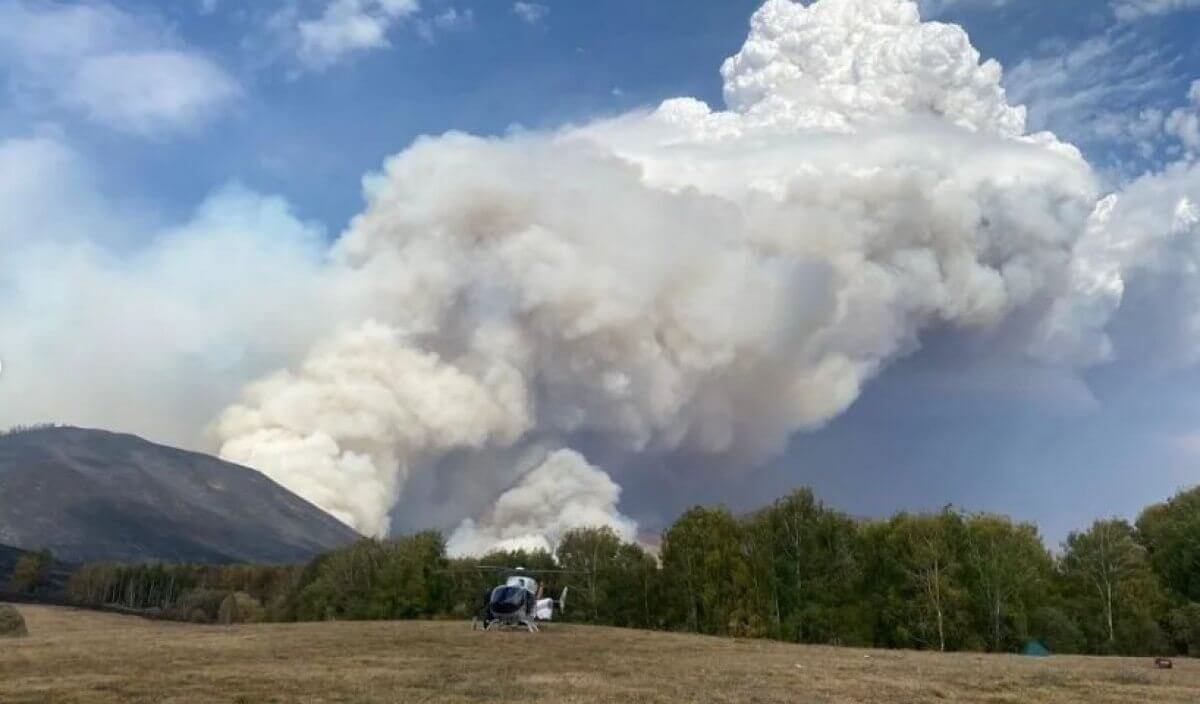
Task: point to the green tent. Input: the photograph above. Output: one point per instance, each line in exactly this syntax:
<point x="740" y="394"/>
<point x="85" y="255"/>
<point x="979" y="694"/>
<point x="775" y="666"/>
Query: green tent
<point x="1035" y="649"/>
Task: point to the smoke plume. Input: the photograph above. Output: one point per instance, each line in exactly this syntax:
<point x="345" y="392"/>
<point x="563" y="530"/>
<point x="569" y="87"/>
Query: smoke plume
<point x="561" y="493"/>
<point x="682" y="278"/>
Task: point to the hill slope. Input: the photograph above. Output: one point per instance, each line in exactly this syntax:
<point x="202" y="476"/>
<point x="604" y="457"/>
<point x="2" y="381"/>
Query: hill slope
<point x="90" y="495"/>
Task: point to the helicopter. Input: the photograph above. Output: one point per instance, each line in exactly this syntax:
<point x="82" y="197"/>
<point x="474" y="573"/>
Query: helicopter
<point x="518" y="603"/>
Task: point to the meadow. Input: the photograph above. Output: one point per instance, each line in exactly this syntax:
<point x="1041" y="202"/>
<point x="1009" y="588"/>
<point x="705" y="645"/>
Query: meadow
<point x="87" y="657"/>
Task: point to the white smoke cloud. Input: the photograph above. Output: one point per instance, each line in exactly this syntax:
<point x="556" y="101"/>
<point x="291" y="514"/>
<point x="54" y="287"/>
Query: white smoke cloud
<point x="113" y="320"/>
<point x="561" y="493"/>
<point x="366" y="403"/>
<point x="679" y="279"/>
<point x="675" y="280"/>
<point x="1146" y="237"/>
<point x="834" y="65"/>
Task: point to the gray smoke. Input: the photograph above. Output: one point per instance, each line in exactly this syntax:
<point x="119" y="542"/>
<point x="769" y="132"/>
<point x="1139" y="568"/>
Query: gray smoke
<point x="682" y="278"/>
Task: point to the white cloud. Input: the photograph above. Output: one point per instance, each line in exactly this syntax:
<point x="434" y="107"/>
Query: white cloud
<point x="530" y="12"/>
<point x="1123" y="10"/>
<point x="1184" y="123"/>
<point x="145" y="91"/>
<point x="933" y="8"/>
<point x="1095" y="93"/>
<point x="346" y="27"/>
<point x="125" y="71"/>
<point x="1129" y="10"/>
<point x="448" y="20"/>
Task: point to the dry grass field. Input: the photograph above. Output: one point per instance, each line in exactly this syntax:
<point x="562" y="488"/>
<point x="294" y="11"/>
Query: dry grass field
<point x="79" y="656"/>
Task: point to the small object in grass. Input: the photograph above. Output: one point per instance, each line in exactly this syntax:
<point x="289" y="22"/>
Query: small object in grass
<point x="1163" y="663"/>
<point x="12" y="623"/>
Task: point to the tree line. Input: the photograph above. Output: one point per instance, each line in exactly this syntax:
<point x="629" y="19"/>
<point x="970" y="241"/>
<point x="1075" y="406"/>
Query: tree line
<point x="796" y="571"/>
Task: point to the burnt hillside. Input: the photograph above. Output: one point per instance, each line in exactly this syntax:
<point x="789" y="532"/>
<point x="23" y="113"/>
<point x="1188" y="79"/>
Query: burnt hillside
<point x="91" y="495"/>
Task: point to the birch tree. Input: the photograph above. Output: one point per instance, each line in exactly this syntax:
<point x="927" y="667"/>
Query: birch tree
<point x="1007" y="567"/>
<point x="1104" y="561"/>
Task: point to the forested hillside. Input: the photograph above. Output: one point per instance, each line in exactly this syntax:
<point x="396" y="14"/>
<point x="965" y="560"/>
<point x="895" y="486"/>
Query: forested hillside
<point x="794" y="571"/>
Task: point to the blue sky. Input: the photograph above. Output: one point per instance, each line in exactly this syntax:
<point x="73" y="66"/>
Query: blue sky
<point x="302" y="98"/>
<point x="488" y="70"/>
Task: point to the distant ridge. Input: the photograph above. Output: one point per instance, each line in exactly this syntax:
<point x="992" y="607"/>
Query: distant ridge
<point x="94" y="495"/>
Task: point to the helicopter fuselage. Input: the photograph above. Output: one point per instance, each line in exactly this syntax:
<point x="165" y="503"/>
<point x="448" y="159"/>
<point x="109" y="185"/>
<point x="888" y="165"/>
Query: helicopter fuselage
<point x="517" y="603"/>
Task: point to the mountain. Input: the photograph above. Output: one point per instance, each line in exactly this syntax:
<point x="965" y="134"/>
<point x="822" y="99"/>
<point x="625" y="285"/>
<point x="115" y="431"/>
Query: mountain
<point x="92" y="495"/>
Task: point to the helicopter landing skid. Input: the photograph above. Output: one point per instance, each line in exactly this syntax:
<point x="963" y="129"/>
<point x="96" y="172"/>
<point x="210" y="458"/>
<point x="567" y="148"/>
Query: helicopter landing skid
<point x="501" y="624"/>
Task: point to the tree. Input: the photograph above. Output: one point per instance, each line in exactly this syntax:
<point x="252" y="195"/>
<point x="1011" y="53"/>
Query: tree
<point x="592" y="553"/>
<point x="1107" y="574"/>
<point x="635" y="593"/>
<point x="705" y="572"/>
<point x="928" y="549"/>
<point x="803" y="569"/>
<point x="1170" y="532"/>
<point x="1007" y="572"/>
<point x="371" y="579"/>
<point x="30" y="572"/>
<point x="794" y="570"/>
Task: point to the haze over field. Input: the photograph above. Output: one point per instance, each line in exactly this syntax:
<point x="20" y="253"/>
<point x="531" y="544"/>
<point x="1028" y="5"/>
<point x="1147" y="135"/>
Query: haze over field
<point x="866" y="265"/>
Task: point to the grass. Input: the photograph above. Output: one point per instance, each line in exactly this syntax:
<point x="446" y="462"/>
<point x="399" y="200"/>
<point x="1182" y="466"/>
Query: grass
<point x="86" y="657"/>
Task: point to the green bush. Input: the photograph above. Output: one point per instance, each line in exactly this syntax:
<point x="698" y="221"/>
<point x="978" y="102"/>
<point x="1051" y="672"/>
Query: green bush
<point x="1184" y="624"/>
<point x="240" y="607"/>
<point x="1057" y="631"/>
<point x="199" y="606"/>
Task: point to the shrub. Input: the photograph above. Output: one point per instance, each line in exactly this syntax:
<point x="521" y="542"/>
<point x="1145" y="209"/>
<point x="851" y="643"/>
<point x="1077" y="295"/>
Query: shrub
<point x="12" y="624"/>
<point x="240" y="607"/>
<point x="1057" y="631"/>
<point x="1185" y="629"/>
<point x="199" y="606"/>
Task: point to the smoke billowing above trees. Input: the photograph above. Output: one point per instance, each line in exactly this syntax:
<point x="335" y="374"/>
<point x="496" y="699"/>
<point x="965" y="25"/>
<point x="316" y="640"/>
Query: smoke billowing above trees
<point x="684" y="280"/>
<point x="696" y="280"/>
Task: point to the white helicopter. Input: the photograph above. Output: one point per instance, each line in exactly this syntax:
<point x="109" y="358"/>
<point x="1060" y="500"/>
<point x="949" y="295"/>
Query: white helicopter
<point x="518" y="603"/>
